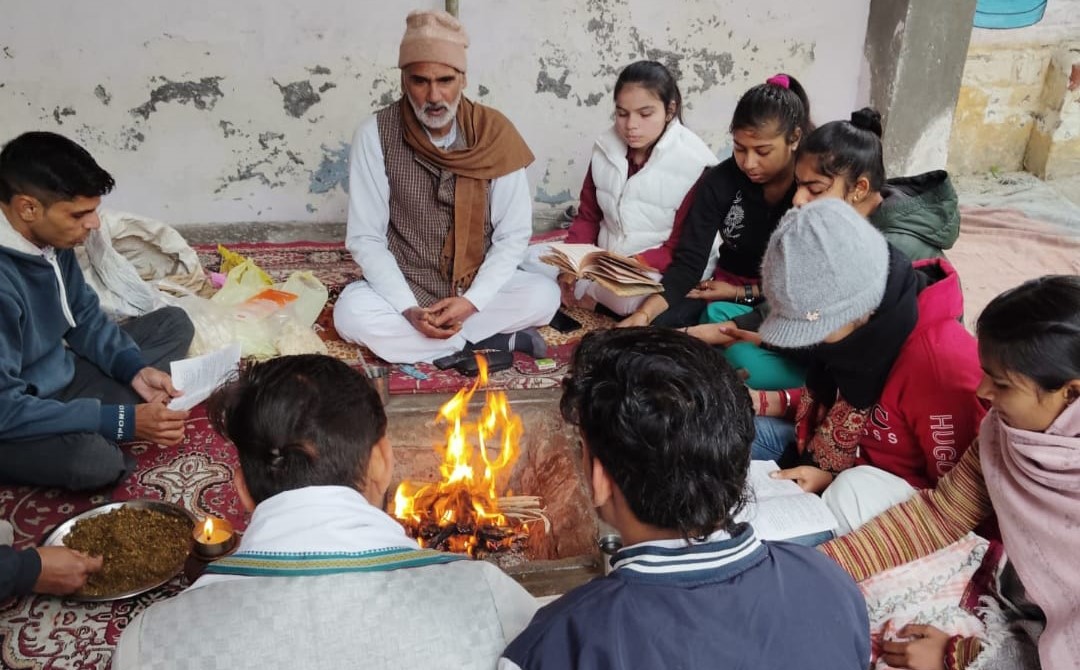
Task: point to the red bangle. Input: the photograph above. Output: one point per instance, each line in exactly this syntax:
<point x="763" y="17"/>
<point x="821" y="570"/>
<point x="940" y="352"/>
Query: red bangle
<point x="763" y="403"/>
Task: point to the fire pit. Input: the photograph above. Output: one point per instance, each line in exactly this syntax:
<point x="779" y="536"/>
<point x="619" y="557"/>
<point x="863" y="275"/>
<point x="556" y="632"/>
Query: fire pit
<point x="464" y="512"/>
<point x="522" y="504"/>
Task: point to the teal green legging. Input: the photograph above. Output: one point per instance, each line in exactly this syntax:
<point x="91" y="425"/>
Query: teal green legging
<point x="768" y="370"/>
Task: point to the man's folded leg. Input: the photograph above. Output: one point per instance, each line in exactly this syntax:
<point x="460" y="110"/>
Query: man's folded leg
<point x="163" y="336"/>
<point x="528" y="300"/>
<point x="363" y="316"/>
<point x="74" y="461"/>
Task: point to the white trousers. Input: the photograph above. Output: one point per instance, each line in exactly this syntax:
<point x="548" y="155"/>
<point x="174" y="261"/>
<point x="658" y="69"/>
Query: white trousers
<point x="861" y="493"/>
<point x="621" y="305"/>
<point x="361" y="315"/>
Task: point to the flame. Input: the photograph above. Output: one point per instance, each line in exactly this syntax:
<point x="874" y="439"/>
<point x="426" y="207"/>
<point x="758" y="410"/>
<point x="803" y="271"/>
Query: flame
<point x="475" y="454"/>
<point x="208" y="528"/>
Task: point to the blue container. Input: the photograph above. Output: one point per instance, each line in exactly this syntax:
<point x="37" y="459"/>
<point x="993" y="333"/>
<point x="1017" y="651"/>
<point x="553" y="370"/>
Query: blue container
<point x="1008" y="13"/>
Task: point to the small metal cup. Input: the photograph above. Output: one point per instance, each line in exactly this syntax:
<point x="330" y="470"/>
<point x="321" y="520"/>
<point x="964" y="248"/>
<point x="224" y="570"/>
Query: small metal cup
<point x="380" y="378"/>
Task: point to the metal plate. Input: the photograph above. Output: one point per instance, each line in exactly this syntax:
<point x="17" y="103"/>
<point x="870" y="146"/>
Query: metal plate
<point x="56" y="539"/>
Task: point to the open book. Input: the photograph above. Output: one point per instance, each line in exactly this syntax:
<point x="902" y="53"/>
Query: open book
<point x="619" y="274"/>
<point x="780" y="510"/>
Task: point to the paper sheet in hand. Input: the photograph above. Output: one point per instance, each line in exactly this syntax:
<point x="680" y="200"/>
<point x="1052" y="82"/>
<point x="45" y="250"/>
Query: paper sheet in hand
<point x="780" y="509"/>
<point x="198" y="377"/>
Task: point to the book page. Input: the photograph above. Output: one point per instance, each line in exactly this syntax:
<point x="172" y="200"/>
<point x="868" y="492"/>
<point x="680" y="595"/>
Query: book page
<point x="577" y="255"/>
<point x="780" y="509"/>
<point x="198" y="377"/>
<point x="765" y="486"/>
<point x="788" y="516"/>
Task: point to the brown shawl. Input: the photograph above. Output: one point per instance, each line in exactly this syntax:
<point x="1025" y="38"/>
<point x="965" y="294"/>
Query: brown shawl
<point x="495" y="149"/>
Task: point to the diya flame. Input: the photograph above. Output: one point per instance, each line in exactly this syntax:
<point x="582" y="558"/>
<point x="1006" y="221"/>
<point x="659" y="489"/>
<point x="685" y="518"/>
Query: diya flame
<point x="466" y="497"/>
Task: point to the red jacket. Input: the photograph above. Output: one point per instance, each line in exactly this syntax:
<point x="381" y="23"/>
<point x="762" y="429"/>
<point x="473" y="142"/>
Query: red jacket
<point x="928" y="413"/>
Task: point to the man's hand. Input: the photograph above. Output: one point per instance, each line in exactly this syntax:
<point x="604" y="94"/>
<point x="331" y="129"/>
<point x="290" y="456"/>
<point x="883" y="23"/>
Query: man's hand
<point x="924" y="651"/>
<point x="809" y="478"/>
<point x="157" y="423"/>
<point x="712" y="289"/>
<point x="64" y="570"/>
<point x="450" y="313"/>
<point x="421" y="319"/>
<point x="567" y="282"/>
<point x="153" y="385"/>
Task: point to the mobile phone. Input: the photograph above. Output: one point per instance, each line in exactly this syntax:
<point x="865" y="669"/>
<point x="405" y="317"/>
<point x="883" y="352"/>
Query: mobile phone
<point x="564" y="323"/>
<point x="497" y="359"/>
<point x="447" y="362"/>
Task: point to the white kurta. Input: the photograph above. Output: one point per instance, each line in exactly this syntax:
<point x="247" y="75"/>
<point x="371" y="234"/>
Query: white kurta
<point x="460" y="614"/>
<point x="370" y="311"/>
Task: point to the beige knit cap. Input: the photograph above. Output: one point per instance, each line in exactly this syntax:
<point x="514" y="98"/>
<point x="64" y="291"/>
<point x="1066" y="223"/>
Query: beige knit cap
<point x="433" y="37"/>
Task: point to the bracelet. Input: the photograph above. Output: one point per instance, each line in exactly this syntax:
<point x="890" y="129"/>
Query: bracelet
<point x="763" y="403"/>
<point x="785" y="402"/>
<point x="748" y="294"/>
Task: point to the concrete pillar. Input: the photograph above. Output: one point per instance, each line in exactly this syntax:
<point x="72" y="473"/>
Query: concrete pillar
<point x="916" y="51"/>
<point x="1054" y="149"/>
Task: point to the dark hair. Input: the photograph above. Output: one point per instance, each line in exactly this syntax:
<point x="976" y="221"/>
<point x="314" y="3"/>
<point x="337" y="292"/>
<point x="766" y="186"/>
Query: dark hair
<point x="51" y="168"/>
<point x="298" y="421"/>
<point x="656" y="79"/>
<point x="849" y="149"/>
<point x="1034" y="330"/>
<point x="669" y="420"/>
<point x="787" y="105"/>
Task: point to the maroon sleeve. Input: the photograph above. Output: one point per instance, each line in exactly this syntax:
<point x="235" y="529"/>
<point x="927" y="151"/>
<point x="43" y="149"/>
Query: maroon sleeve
<point x="585" y="228"/>
<point x="660" y="257"/>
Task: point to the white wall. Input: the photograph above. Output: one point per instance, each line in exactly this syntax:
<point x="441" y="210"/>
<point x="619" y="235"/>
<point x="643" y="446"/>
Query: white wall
<point x="207" y="112"/>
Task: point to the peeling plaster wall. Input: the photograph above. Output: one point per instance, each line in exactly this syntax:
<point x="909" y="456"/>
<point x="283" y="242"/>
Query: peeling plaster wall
<point x="242" y="111"/>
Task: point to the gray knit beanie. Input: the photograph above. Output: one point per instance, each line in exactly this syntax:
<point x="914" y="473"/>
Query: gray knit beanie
<point x="825" y="267"/>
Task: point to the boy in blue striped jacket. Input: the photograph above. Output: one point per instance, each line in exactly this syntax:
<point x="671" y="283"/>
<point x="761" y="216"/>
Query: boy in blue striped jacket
<point x="666" y="429"/>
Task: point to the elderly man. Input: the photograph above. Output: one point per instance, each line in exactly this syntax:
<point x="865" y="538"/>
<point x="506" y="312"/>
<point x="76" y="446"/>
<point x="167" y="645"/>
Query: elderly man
<point x="440" y="216"/>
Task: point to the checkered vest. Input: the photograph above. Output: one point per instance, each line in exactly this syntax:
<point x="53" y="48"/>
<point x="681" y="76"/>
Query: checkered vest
<point x="421" y="209"/>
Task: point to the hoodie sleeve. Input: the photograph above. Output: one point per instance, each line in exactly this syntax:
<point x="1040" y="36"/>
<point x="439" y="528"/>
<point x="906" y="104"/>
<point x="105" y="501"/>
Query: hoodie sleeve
<point x="945" y="413"/>
<point x="22" y="413"/>
<point x="19" y="571"/>
<point x="95" y="336"/>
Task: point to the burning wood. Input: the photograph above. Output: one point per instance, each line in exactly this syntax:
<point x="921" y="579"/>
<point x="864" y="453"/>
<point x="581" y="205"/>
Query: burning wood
<point x="463" y="513"/>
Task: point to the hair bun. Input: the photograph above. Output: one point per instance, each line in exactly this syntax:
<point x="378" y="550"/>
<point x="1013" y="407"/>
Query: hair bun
<point x="867" y="119"/>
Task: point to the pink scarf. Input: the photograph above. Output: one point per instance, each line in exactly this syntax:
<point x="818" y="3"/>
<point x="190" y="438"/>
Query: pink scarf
<point x="1034" y="483"/>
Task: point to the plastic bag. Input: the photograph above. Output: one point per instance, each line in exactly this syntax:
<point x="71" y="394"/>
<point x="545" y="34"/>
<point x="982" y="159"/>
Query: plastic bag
<point x="243" y="282"/>
<point x="260" y="333"/>
<point x="311" y="296"/>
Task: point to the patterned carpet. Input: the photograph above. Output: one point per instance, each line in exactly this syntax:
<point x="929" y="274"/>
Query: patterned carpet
<point x="47" y="633"/>
<point x="334" y="266"/>
<point x="51" y="633"/>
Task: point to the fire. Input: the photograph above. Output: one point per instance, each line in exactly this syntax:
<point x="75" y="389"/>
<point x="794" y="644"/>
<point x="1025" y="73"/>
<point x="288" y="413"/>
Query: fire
<point x="208" y="529"/>
<point x="462" y="510"/>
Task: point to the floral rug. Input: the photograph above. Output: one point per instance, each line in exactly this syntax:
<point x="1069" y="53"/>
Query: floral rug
<point x="332" y="264"/>
<point x="48" y="633"/>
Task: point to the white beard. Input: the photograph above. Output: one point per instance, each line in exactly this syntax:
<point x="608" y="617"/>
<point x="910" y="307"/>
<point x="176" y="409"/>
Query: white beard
<point x="433" y="122"/>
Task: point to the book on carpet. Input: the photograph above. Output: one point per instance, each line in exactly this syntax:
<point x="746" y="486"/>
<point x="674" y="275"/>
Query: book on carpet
<point x="622" y="275"/>
<point x="780" y="510"/>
